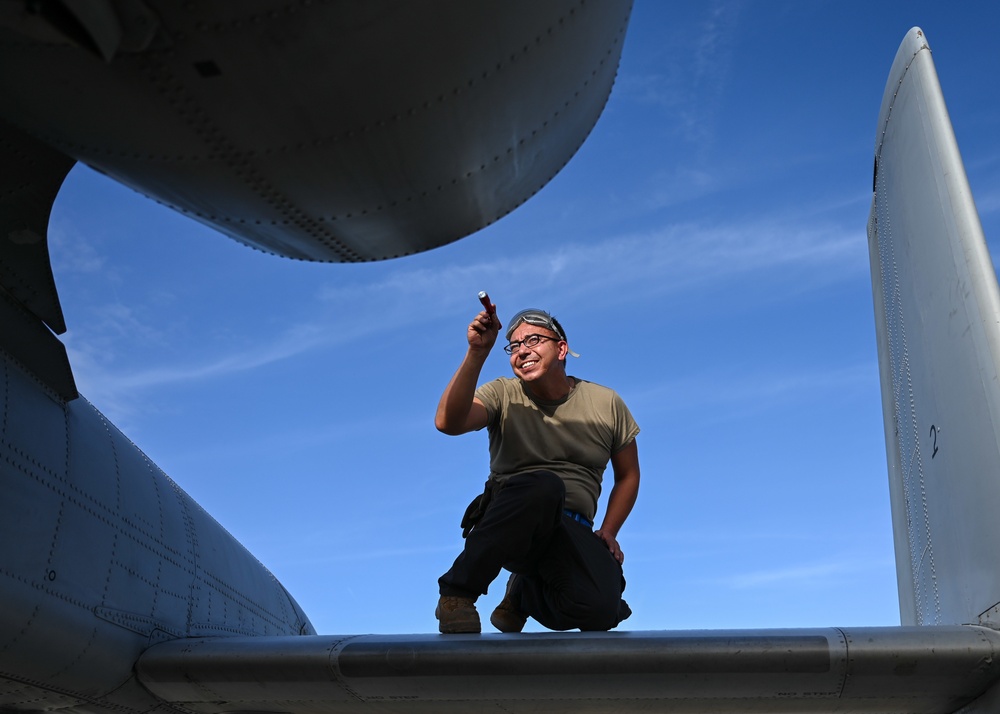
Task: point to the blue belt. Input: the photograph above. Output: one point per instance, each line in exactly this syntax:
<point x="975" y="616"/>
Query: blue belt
<point x="578" y="518"/>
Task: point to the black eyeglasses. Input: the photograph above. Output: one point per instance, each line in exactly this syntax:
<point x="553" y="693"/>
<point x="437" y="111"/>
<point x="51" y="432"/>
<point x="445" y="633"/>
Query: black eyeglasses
<point x="529" y="342"/>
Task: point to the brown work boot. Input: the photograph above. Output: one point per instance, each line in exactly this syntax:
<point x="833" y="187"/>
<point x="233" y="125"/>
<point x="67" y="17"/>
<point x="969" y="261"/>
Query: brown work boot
<point x="508" y="617"/>
<point x="456" y="615"/>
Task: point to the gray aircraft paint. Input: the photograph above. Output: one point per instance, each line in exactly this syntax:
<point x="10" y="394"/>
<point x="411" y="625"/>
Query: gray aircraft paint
<point x="121" y="595"/>
<point x="333" y="131"/>
<point x="937" y="311"/>
<point x="102" y="555"/>
<point x="820" y="670"/>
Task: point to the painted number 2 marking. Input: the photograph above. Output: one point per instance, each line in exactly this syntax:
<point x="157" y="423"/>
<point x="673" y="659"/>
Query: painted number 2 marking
<point x="933" y="435"/>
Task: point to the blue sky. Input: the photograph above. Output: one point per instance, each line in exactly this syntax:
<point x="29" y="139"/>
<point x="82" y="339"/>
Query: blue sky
<point x="705" y="251"/>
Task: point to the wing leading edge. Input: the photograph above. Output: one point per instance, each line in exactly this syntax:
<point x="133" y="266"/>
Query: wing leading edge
<point x="890" y="669"/>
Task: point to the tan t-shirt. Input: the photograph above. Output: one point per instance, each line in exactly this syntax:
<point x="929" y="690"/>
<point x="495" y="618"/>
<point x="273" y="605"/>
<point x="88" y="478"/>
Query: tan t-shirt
<point x="574" y="437"/>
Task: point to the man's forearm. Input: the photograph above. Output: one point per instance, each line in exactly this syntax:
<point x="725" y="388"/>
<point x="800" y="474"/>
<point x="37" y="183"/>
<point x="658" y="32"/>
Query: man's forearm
<point x="620" y="503"/>
<point x="622" y="497"/>
<point x="456" y="401"/>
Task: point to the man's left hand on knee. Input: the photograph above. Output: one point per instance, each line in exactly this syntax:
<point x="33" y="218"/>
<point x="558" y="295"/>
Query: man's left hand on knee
<point x="612" y="545"/>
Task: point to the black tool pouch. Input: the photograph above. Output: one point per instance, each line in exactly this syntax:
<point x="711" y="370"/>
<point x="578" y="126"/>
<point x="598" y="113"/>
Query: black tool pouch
<point x="476" y="509"/>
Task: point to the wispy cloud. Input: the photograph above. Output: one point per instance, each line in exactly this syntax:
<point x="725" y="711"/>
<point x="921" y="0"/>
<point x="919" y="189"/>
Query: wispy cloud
<point x="118" y="389"/>
<point x="691" y="74"/>
<point x="349" y="555"/>
<point x="988" y="201"/>
<point x="713" y="45"/>
<point x="754" y="393"/>
<point x="813" y="574"/>
<point x="69" y="252"/>
<point x="671" y="259"/>
<point x="295" y="341"/>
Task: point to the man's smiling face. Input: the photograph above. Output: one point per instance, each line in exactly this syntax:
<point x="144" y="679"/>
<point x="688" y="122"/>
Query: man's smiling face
<point x="534" y="363"/>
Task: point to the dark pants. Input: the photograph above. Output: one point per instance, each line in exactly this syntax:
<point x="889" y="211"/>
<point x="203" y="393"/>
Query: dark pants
<point x="570" y="579"/>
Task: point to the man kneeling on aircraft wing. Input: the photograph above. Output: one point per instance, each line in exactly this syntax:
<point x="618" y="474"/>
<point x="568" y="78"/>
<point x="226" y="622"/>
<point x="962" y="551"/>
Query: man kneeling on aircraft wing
<point x="551" y="438"/>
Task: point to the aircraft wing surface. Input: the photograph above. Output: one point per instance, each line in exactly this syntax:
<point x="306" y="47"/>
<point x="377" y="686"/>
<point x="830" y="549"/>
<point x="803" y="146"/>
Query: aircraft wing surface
<point x="888" y="669"/>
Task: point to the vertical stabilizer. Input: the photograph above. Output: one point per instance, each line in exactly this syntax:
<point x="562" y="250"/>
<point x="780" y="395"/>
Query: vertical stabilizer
<point x="937" y="310"/>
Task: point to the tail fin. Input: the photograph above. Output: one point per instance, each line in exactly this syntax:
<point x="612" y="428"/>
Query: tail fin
<point x="937" y="316"/>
